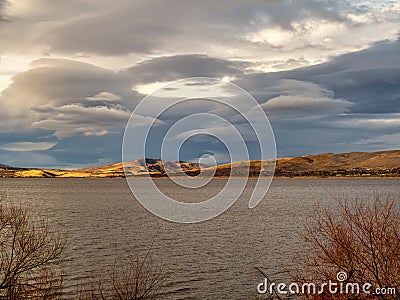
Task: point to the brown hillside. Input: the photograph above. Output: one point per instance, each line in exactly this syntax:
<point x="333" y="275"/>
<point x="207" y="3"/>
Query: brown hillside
<point x="383" y="163"/>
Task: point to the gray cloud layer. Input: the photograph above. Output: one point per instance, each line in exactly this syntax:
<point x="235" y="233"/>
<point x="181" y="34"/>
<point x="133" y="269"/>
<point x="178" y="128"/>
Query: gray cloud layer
<point x="368" y="80"/>
<point x="136" y="26"/>
<point x="169" y="68"/>
<point x="335" y="106"/>
<point x="69" y="108"/>
<point x="283" y="31"/>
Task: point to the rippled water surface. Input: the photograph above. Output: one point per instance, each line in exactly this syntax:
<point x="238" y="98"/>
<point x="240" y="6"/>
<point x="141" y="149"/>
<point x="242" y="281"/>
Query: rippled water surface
<point x="211" y="260"/>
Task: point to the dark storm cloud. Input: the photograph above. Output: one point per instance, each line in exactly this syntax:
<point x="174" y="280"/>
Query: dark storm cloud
<point x="62" y="81"/>
<point x="64" y="87"/>
<point x="27" y="139"/>
<point x="370" y="78"/>
<point x="169" y="68"/>
<point x="128" y="27"/>
<point x="302" y="99"/>
<point x="57" y="110"/>
<point x="76" y="119"/>
<point x="350" y="103"/>
<point x="72" y="152"/>
<point x="99" y="27"/>
<point x="87" y="150"/>
<point x="337" y="133"/>
<point x="56" y="94"/>
<point x="81" y="104"/>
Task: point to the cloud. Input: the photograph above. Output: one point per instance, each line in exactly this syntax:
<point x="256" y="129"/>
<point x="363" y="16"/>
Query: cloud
<point x="322" y="32"/>
<point x="331" y="106"/>
<point x="104" y="96"/>
<point x="27" y="146"/>
<point x="74" y="119"/>
<point x="65" y="98"/>
<point x="63" y="87"/>
<point x="241" y="30"/>
<point x="301" y="99"/>
<point x="385" y="141"/>
<point x="387" y="122"/>
<point x="77" y="151"/>
<point x="58" y="100"/>
<point x="3" y="6"/>
<point x="101" y="57"/>
<point x="169" y="68"/>
<point x="59" y="82"/>
<point x="368" y="78"/>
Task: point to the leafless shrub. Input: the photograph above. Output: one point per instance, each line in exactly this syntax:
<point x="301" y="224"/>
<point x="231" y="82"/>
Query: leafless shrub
<point x="29" y="251"/>
<point x="29" y="255"/>
<point x="131" y="279"/>
<point x="361" y="239"/>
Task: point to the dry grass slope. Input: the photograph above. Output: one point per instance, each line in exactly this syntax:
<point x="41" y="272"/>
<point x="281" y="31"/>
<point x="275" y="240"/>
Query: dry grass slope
<point x="383" y="163"/>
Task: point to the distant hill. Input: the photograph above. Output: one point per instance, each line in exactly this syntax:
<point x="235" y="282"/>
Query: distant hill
<point x="382" y="163"/>
<point x="155" y="167"/>
<point x="353" y="164"/>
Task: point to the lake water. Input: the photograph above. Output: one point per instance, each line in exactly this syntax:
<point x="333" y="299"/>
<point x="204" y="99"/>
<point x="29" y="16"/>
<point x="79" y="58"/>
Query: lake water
<point x="211" y="260"/>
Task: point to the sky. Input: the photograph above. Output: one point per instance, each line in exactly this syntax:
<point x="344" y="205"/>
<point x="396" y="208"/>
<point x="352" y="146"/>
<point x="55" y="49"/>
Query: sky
<point x="326" y="73"/>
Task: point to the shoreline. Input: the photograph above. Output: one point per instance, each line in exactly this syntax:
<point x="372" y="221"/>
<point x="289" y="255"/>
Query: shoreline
<point x="217" y="177"/>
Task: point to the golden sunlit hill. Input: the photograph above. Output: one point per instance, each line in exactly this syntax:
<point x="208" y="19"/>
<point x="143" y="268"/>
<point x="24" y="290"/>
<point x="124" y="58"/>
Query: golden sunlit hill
<point x="352" y="164"/>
